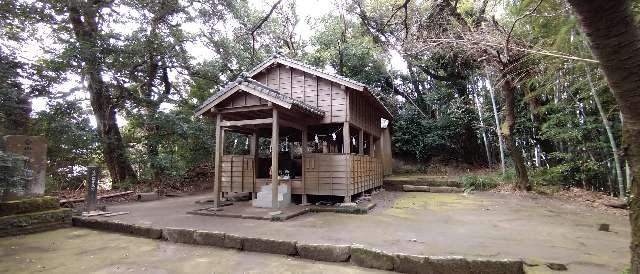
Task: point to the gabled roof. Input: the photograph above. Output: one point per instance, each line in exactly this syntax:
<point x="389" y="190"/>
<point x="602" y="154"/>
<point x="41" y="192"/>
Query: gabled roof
<point x="258" y="89"/>
<point x="277" y="58"/>
<point x="280" y="59"/>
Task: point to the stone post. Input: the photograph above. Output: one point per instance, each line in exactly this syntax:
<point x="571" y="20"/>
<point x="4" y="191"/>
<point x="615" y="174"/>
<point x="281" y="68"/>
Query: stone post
<point x="91" y="198"/>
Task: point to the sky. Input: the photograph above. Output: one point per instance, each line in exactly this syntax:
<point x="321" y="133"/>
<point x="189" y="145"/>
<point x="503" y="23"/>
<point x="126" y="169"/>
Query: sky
<point x="308" y="10"/>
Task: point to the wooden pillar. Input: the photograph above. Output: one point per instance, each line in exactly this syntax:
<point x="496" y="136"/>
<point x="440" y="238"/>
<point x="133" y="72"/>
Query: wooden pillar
<point x="252" y="151"/>
<point x="304" y="151"/>
<point x="346" y="139"/>
<point x="216" y="163"/>
<point x="371" y="146"/>
<point x="346" y="149"/>
<point x="361" y="142"/>
<point x="275" y="136"/>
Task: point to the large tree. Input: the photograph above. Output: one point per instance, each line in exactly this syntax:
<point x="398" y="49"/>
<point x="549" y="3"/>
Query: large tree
<point x="614" y="39"/>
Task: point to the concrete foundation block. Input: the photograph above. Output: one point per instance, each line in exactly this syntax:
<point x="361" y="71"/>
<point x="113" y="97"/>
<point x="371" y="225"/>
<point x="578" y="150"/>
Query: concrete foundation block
<point x="179" y="235"/>
<point x="324" y="252"/>
<point x="270" y="246"/>
<point x="233" y="241"/>
<point x="210" y="238"/>
<point x="371" y="258"/>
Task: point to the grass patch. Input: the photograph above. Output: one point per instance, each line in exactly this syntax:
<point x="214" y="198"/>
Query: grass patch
<point x="486" y="181"/>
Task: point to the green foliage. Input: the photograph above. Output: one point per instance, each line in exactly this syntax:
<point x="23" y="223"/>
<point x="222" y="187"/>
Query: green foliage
<point x="571" y="170"/>
<point x="183" y="141"/>
<point x="72" y="144"/>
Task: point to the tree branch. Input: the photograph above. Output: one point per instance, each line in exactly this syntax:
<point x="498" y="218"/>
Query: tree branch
<point x="259" y="25"/>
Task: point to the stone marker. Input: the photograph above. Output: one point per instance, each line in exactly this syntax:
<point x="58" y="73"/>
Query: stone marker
<point x="35" y="149"/>
<point x="91" y="198"/>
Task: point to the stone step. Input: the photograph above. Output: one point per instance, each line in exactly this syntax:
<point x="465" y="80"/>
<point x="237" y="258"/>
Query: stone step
<point x="432" y="189"/>
<point x="395" y="183"/>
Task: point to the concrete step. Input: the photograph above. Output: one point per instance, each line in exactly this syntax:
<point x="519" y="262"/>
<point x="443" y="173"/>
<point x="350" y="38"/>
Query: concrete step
<point x="432" y="189"/>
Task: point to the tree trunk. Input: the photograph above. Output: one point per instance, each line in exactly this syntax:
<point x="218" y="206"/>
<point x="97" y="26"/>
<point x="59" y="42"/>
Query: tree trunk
<point x="83" y="17"/>
<point x="615" y="42"/>
<point x="497" y="117"/>
<point x="509" y="123"/>
<point x="612" y="141"/>
<point x="483" y="130"/>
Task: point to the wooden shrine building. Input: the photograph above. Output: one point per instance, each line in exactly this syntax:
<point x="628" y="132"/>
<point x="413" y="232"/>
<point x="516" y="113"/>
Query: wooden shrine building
<point x="330" y="132"/>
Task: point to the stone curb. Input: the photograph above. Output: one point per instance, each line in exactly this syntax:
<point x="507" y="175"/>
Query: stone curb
<point x="371" y="258"/>
<point x="270" y="246"/>
<point x="324" y="252"/>
<point x="179" y="235"/>
<point x="141" y="231"/>
<point x="356" y="254"/>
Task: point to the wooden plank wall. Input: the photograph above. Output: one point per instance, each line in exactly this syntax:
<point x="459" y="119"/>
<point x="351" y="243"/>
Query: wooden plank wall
<point x="325" y="174"/>
<point x="366" y="173"/>
<point x="242" y="99"/>
<point x="312" y="90"/>
<point x="329" y="174"/>
<point x="237" y="173"/>
<point x="363" y="114"/>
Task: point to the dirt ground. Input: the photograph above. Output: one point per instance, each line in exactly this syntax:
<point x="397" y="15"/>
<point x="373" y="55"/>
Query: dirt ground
<point x="486" y="225"/>
<point x="77" y="250"/>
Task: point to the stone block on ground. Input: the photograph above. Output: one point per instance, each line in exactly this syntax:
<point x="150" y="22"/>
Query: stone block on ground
<point x="445" y="189"/>
<point x="325" y="252"/>
<point x="179" y="235"/>
<point x="233" y="241"/>
<point x="371" y="258"/>
<point x="270" y="246"/>
<point x="413" y="188"/>
<point x="210" y="238"/>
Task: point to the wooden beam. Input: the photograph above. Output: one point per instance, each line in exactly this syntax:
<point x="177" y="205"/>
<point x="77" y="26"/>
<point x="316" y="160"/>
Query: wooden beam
<point x="243" y="109"/>
<point x="217" y="168"/>
<point x="247" y="122"/>
<point x="290" y="124"/>
<point x="275" y="136"/>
